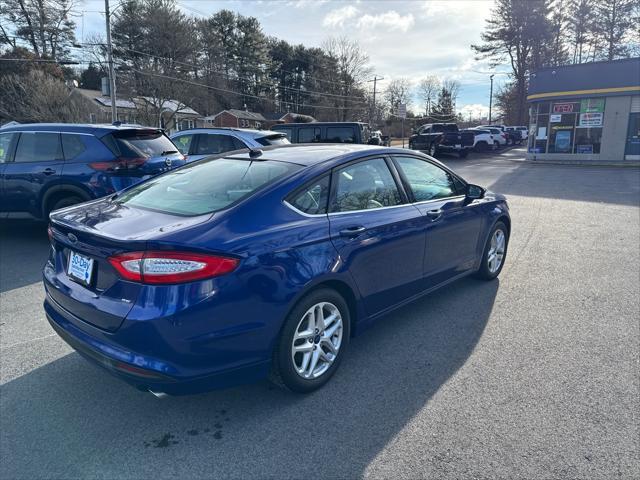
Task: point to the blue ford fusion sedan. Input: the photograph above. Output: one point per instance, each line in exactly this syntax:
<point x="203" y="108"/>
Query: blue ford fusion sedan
<point x="263" y="263"/>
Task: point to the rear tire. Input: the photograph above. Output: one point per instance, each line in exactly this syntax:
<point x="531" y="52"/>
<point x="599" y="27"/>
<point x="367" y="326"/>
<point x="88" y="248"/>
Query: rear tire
<point x="313" y="341"/>
<point x="481" y="147"/>
<point x="432" y="150"/>
<point x="463" y="153"/>
<point x="495" y="252"/>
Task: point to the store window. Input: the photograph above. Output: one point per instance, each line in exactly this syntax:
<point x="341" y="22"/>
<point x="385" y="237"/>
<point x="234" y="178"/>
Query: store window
<point x="567" y="126"/>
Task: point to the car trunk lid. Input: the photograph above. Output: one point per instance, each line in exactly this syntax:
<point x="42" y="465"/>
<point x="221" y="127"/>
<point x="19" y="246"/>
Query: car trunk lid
<point x="94" y="232"/>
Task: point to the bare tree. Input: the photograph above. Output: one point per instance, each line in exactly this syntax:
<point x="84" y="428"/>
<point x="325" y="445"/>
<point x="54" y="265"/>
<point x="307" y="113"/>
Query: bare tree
<point x="397" y="92"/>
<point x="40" y="97"/>
<point x="614" y="22"/>
<point x="428" y="91"/>
<point x="353" y="68"/>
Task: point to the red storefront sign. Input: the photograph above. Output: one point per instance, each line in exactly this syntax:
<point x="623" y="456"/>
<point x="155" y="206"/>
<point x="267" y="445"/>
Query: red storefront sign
<point x="563" y="108"/>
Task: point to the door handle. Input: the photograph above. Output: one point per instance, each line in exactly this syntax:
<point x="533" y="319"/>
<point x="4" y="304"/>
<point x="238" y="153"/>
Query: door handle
<point x="48" y="171"/>
<point x="352" y="231"/>
<point x="434" y="214"/>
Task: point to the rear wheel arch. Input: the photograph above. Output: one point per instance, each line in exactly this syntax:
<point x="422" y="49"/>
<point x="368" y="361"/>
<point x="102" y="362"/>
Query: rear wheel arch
<point x="58" y="192"/>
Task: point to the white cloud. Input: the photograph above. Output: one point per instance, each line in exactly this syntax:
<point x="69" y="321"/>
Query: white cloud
<point x="390" y="20"/>
<point x="337" y="17"/>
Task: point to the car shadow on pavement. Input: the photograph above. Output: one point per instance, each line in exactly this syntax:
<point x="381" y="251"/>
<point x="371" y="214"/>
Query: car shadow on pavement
<point x="614" y="185"/>
<point x="24" y="247"/>
<point x="70" y="419"/>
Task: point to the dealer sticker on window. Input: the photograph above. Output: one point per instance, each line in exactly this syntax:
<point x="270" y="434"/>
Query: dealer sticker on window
<point x="80" y="267"/>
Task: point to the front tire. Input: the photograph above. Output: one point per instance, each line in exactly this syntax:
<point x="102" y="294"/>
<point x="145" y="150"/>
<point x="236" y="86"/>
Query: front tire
<point x="312" y="343"/>
<point x="495" y="252"/>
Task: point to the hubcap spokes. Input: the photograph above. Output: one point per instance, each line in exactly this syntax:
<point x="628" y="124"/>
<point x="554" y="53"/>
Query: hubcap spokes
<point x="317" y="340"/>
<point x="496" y="251"/>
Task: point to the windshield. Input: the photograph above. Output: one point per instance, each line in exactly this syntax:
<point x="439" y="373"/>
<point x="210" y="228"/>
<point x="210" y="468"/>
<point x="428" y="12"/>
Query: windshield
<point x="205" y="187"/>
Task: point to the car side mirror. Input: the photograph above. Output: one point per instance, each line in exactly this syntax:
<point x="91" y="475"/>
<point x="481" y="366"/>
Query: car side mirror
<point x="474" y="192"/>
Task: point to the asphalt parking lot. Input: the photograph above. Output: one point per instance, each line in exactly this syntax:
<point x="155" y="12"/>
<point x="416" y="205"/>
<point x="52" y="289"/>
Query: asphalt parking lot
<point x="532" y="376"/>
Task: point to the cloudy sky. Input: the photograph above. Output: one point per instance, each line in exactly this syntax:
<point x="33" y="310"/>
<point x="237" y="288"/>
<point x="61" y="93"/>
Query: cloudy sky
<point x="409" y="39"/>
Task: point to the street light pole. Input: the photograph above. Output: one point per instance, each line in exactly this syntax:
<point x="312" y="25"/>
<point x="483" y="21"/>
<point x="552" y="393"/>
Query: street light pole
<point x="490" y="97"/>
<point x="112" y="73"/>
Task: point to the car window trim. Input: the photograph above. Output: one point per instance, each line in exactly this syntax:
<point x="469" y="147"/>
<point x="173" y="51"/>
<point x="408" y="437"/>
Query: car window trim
<point x="12" y="147"/>
<point x="413" y="201"/>
<point x="334" y="184"/>
<point x="39" y="161"/>
<point x="306" y="185"/>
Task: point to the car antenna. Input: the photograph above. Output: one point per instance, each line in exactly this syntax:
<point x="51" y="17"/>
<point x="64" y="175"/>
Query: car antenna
<point x="255" y="152"/>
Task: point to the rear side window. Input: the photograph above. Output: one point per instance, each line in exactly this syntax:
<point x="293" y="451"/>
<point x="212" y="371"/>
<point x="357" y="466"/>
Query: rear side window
<point x="312" y="198"/>
<point x="38" y="147"/>
<point x="205" y="187"/>
<point x="341" y="135"/>
<point x="72" y="146"/>
<point x="309" y="135"/>
<point x="183" y="142"/>
<point x="212" y="144"/>
<point x="143" y="144"/>
<point x="6" y="145"/>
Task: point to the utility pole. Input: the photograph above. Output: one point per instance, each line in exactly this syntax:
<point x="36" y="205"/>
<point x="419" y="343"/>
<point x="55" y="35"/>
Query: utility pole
<point x="490" y="97"/>
<point x="375" y="81"/>
<point x="112" y="73"/>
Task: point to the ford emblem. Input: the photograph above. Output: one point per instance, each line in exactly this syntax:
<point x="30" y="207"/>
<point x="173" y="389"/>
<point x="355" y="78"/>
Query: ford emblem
<point x="72" y="238"/>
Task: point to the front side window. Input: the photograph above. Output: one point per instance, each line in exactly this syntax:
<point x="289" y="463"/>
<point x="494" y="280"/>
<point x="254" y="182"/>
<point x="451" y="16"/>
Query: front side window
<point x="38" y="147"/>
<point x="365" y="185"/>
<point x="183" y="143"/>
<point x="205" y="187"/>
<point x="426" y="180"/>
<point x="312" y="199"/>
<point x="6" y="145"/>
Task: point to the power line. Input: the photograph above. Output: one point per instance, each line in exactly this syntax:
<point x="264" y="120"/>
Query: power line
<point x="224" y="90"/>
<point x="228" y="77"/>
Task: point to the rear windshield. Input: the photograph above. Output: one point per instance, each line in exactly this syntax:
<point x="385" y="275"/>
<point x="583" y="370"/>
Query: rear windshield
<point x="277" y="139"/>
<point x="206" y="186"/>
<point x="143" y="144"/>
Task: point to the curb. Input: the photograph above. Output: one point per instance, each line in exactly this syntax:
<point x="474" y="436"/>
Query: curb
<point x="580" y="163"/>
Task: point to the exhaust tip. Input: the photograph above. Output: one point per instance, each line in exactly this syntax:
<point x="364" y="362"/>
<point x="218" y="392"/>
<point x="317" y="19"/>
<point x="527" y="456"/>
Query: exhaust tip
<point x="158" y="394"/>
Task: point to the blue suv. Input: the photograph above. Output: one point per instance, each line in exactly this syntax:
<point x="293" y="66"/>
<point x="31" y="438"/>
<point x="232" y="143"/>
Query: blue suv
<point x="198" y="143"/>
<point x="44" y="167"/>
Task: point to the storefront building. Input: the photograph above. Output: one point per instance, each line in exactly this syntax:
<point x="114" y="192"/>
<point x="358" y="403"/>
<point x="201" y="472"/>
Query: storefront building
<point x="589" y="111"/>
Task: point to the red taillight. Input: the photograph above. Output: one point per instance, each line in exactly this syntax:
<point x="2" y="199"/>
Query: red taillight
<point x="170" y="267"/>
<point x="119" y="164"/>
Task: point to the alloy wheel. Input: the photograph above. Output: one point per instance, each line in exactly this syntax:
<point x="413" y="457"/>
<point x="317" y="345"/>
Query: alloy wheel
<point x="317" y="340"/>
<point x="496" y="251"/>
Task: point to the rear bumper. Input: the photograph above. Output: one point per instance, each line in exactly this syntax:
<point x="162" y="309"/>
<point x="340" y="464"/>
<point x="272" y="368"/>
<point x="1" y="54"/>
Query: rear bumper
<point x="143" y="371"/>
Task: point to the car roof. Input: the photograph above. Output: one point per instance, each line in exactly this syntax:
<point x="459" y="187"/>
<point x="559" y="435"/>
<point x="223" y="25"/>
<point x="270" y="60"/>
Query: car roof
<point x="316" y="124"/>
<point x="249" y="131"/>
<point x="74" y="127"/>
<point x="313" y="154"/>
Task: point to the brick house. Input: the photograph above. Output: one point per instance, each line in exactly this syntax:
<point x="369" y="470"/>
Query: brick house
<point x="234" y="118"/>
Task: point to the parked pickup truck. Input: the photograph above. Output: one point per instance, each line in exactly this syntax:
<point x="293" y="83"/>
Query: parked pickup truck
<point x="435" y="138"/>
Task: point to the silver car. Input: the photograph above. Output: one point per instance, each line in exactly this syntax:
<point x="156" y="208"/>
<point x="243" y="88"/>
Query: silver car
<point x="197" y="143"/>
